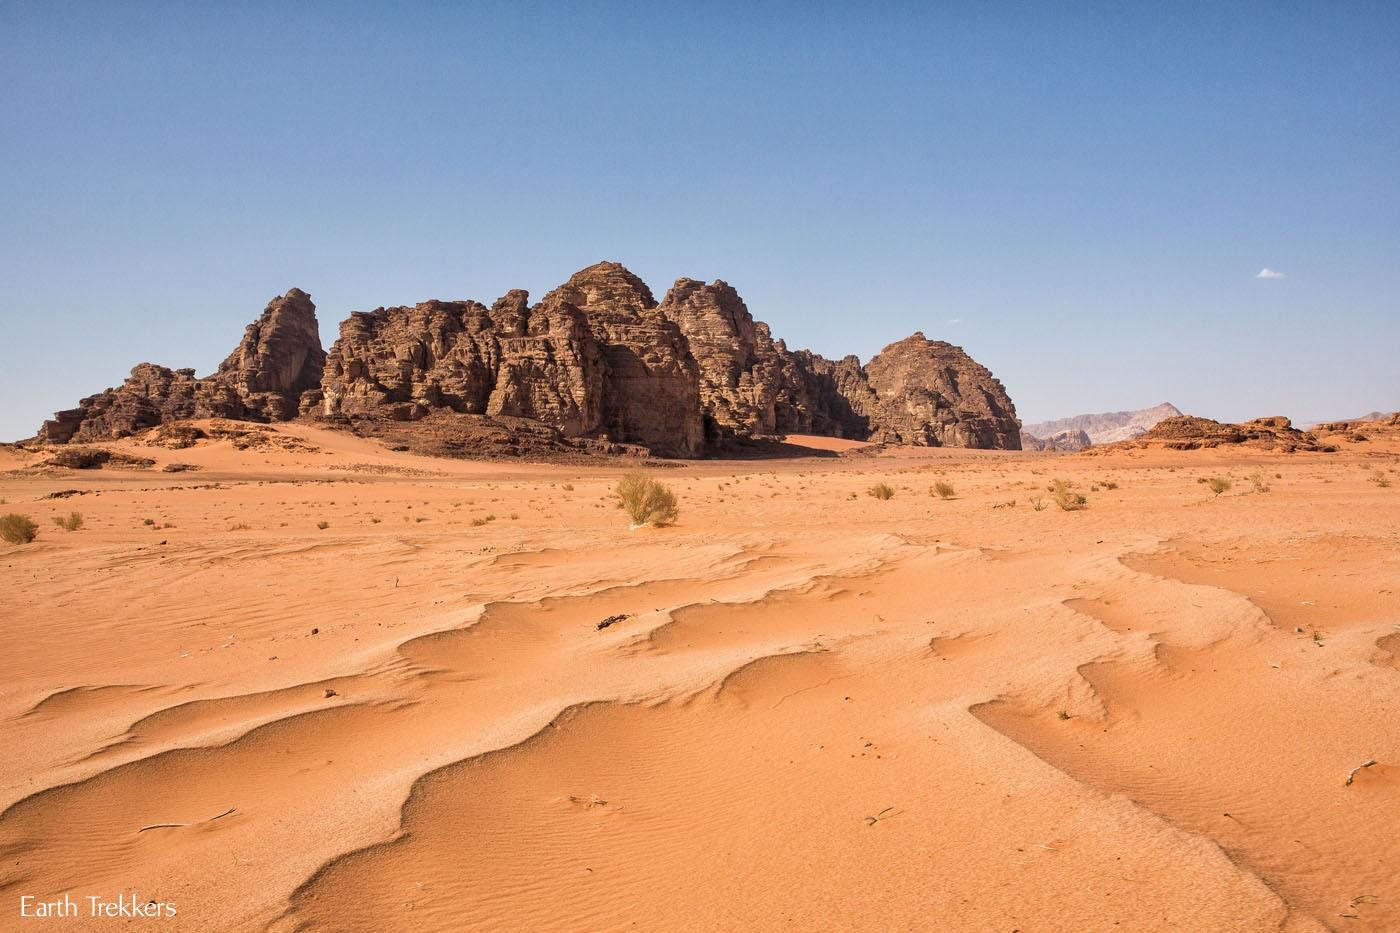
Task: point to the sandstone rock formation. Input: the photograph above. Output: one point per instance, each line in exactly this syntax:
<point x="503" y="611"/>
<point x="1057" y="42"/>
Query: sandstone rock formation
<point x="651" y="383"/>
<point x="740" y="369"/>
<point x="930" y="393"/>
<point x="278" y="360"/>
<point x="1191" y="433"/>
<point x="596" y="365"/>
<point x="1106" y="427"/>
<point x="1374" y="426"/>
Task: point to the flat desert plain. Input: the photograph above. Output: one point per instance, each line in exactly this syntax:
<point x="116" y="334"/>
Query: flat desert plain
<point x="347" y="689"/>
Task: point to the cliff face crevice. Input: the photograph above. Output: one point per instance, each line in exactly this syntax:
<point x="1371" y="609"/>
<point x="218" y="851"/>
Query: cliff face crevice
<point x="598" y="358"/>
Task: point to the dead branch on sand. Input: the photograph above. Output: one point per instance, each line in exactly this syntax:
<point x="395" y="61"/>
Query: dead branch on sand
<point x="872" y="820"/>
<point x="228" y="812"/>
<point x="1365" y="764"/>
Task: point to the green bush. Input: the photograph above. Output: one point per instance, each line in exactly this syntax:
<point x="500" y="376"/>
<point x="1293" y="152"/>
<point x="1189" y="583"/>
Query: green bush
<point x="646" y="501"/>
<point x="18" y="529"/>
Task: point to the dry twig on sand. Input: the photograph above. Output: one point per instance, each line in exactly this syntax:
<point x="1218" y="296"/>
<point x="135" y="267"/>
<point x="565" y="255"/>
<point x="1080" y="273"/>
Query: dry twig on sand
<point x="230" y="811"/>
<point x="1351" y="776"/>
<point x="882" y="815"/>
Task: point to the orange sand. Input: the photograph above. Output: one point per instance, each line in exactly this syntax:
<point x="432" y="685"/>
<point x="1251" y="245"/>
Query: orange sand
<point x="823" y="710"/>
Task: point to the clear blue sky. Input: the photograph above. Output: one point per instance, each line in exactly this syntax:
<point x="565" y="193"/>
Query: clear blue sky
<point x="1082" y="196"/>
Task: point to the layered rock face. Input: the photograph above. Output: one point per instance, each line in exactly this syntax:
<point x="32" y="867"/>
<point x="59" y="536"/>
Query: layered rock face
<point x="278" y="360"/>
<point x="651" y="383"/>
<point x="740" y="368"/>
<point x="597" y="360"/>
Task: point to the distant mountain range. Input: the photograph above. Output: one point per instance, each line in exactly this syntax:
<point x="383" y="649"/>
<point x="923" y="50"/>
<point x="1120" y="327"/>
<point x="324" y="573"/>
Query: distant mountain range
<point x="1102" y="428"/>
<point x="1369" y="416"/>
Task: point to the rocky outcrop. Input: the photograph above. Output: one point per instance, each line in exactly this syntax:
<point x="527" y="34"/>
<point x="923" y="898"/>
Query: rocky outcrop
<point x="1190" y="433"/>
<point x="279" y="358"/>
<point x="740" y="368"/>
<point x="933" y="394"/>
<point x="1064" y="441"/>
<point x="1376" y="426"/>
<point x="651" y="383"/>
<point x="1106" y="427"/>
<point x="597" y="364"/>
<point x="277" y="362"/>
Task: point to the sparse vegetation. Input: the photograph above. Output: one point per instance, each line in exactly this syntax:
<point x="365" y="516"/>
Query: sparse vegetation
<point x="881" y="491"/>
<point x="72" y="522"/>
<point x="1381" y="480"/>
<point x="1257" y="482"/>
<point x="943" y="490"/>
<point x="1109" y="484"/>
<point x="1219" y="484"/>
<point x="1066" y="497"/>
<point x="323" y="525"/>
<point x="1038" y="503"/>
<point x="647" y="501"/>
<point x="18" y="529"/>
<point x="483" y="520"/>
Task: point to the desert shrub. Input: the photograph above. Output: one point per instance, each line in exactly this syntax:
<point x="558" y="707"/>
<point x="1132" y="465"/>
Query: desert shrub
<point x="18" y="529"/>
<point x="1219" y="484"/>
<point x="483" y="520"/>
<point x="1038" y="503"/>
<point x="1066" y="498"/>
<point x="1109" y="484"/>
<point x="1381" y="480"/>
<point x="943" y="490"/>
<point x="73" y="522"/>
<point x="881" y="491"/>
<point x="1257" y="481"/>
<point x="323" y="525"/>
<point x="646" y="501"/>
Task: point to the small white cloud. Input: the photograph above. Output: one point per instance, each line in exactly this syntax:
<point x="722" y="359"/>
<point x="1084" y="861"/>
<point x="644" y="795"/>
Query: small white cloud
<point x="954" y="320"/>
<point x="1267" y="273"/>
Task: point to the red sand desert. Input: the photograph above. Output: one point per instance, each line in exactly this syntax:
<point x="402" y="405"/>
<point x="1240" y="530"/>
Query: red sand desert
<point x="346" y="689"/>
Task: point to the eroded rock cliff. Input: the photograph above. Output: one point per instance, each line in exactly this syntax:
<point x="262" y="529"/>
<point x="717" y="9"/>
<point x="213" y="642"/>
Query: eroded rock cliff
<point x="598" y="359"/>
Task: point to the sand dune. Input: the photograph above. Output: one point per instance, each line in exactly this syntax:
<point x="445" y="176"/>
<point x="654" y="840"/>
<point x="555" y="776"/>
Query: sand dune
<point x="819" y="710"/>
